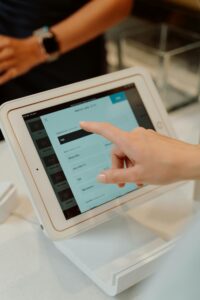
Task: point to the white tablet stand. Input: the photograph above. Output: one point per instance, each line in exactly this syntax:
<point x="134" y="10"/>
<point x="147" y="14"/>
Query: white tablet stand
<point x="119" y="252"/>
<point x="116" y="254"/>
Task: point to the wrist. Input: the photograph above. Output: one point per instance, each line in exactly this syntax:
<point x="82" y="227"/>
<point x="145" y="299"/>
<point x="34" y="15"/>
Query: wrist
<point x="36" y="49"/>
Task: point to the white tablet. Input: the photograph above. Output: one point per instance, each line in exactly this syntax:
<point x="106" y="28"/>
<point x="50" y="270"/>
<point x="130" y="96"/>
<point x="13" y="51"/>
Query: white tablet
<point x="60" y="161"/>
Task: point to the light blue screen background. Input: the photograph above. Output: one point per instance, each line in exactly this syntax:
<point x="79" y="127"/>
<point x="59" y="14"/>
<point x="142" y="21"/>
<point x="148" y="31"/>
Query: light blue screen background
<point x="84" y="158"/>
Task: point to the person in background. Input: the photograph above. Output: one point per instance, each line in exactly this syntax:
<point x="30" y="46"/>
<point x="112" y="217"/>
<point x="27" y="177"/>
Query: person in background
<point x="145" y="156"/>
<point x="46" y="43"/>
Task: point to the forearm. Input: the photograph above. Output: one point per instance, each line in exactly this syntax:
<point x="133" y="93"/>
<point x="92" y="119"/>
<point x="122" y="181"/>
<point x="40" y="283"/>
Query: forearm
<point x="90" y="21"/>
<point x="189" y="163"/>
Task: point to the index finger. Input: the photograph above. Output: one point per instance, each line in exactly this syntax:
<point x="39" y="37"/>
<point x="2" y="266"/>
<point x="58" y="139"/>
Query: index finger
<point x="108" y="131"/>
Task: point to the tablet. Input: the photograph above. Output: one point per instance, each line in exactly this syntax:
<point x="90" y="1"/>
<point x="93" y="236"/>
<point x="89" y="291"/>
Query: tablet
<point x="60" y="161"/>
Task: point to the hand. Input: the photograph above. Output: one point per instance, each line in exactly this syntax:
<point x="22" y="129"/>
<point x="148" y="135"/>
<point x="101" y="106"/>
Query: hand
<point x="145" y="156"/>
<point x="18" y="56"/>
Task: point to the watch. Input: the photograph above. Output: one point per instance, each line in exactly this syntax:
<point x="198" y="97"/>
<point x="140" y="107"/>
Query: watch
<point x="49" y="43"/>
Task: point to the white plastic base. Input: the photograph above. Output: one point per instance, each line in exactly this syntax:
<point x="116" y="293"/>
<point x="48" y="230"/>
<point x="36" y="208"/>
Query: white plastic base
<point x="116" y="254"/>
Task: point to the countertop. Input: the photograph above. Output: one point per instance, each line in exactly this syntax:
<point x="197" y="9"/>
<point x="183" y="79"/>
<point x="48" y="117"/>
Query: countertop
<point x="32" y="268"/>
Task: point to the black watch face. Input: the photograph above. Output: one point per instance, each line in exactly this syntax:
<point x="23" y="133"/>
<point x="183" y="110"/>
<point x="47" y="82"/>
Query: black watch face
<point x="50" y="45"/>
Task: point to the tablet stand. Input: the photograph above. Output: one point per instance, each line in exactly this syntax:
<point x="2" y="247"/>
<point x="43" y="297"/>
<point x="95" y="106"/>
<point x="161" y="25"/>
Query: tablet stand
<point x="115" y="254"/>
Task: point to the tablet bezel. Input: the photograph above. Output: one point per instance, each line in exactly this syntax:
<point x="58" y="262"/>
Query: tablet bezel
<point x="52" y="210"/>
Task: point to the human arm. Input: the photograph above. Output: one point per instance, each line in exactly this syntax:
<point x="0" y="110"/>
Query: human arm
<point x="145" y="156"/>
<point x="17" y="56"/>
<point x="90" y="21"/>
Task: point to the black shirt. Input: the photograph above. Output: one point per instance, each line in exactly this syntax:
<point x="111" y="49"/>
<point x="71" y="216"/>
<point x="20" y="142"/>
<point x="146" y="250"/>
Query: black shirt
<point x="19" y="18"/>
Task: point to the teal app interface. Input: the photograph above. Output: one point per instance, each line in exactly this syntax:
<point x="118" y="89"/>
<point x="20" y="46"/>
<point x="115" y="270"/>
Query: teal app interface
<point x="84" y="155"/>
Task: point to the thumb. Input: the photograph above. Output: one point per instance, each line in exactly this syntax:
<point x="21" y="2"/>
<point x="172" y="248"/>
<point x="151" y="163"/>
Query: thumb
<point x="117" y="176"/>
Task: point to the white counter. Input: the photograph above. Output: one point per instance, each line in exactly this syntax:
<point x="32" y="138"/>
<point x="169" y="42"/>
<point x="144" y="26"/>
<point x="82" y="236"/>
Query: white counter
<point x="30" y="266"/>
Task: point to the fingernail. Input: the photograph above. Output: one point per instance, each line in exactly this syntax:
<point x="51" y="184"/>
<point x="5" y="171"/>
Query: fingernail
<point x="82" y="123"/>
<point x="101" y="178"/>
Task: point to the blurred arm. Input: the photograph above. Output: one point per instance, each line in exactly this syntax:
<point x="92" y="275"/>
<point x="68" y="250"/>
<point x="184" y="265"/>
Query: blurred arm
<point x="90" y="21"/>
<point x="18" y="56"/>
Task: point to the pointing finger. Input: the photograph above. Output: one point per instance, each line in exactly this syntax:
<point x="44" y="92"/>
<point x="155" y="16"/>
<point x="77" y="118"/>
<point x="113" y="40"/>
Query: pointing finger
<point x="108" y="131"/>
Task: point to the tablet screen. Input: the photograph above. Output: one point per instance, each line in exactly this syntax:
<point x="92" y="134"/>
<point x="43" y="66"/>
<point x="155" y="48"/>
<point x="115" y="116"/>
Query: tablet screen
<point x="72" y="157"/>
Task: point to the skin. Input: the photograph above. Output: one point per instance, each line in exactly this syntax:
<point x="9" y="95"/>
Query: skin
<point x="18" y="56"/>
<point x="146" y="157"/>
